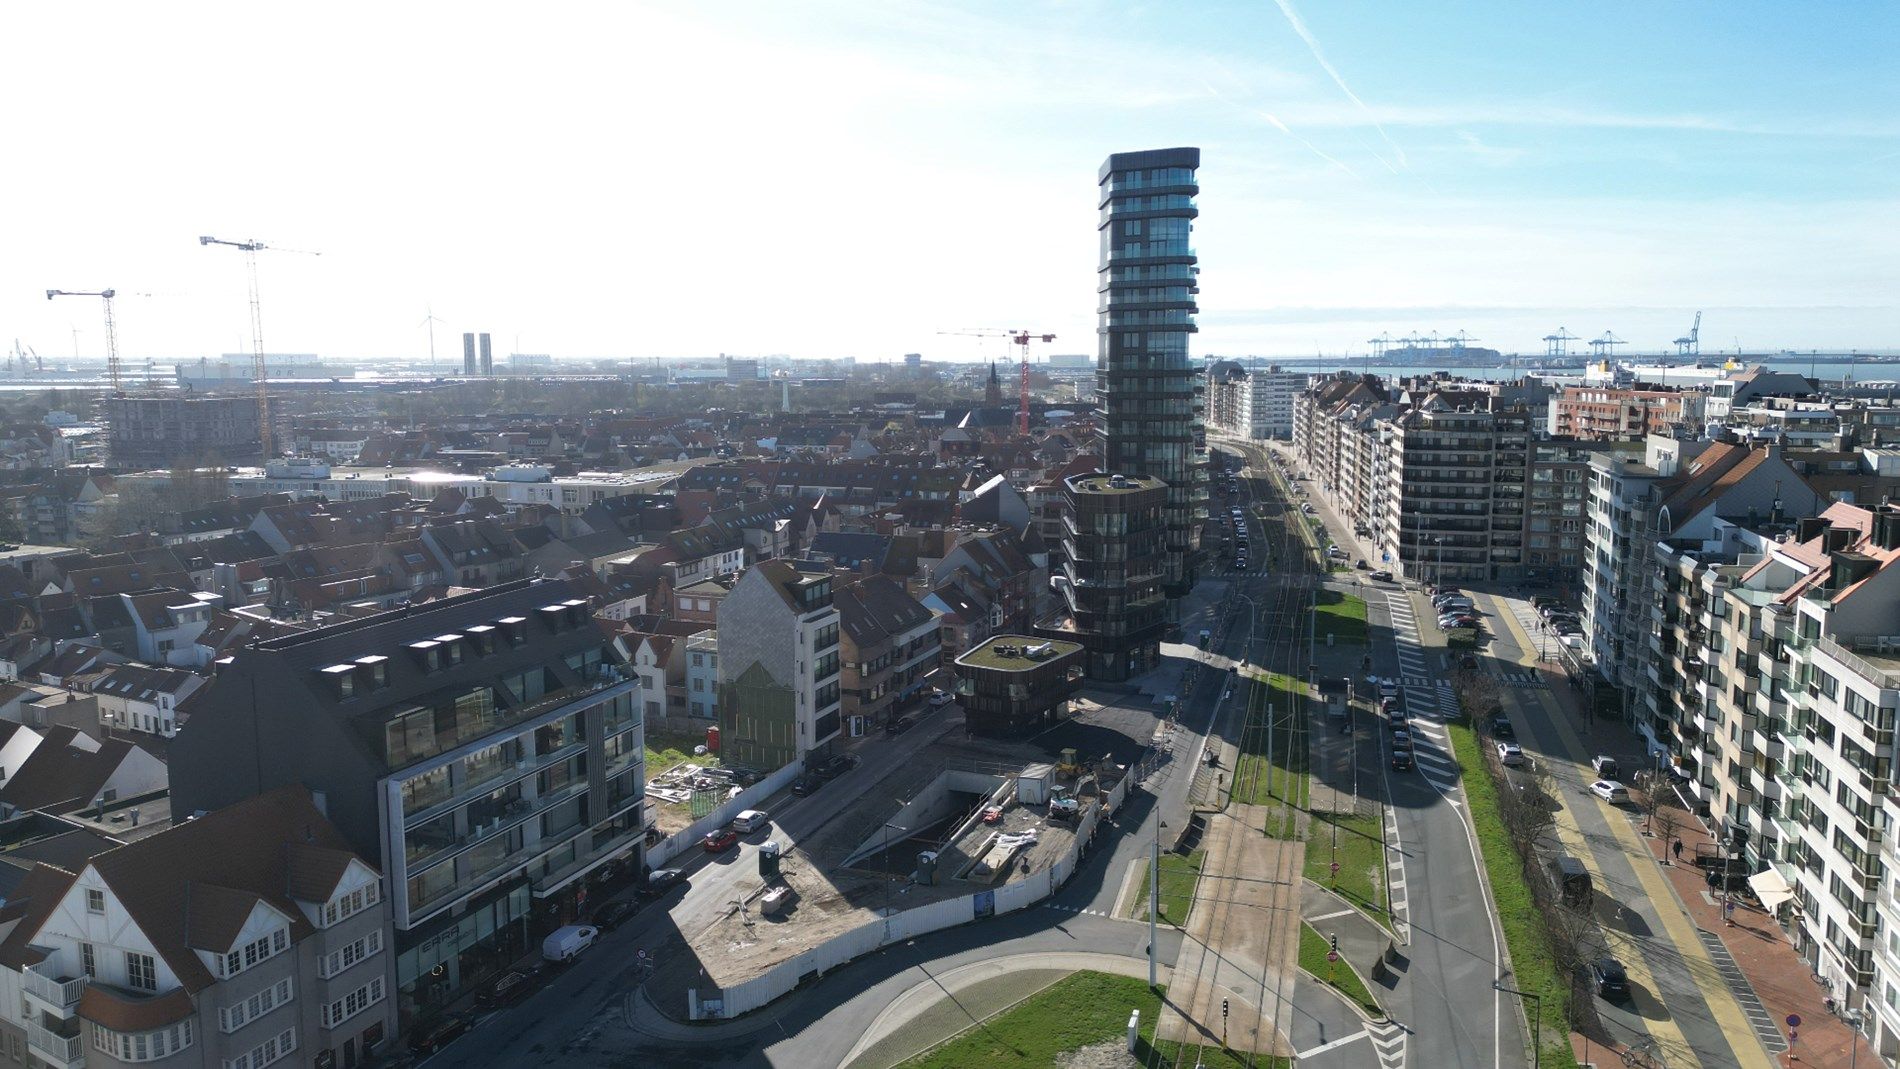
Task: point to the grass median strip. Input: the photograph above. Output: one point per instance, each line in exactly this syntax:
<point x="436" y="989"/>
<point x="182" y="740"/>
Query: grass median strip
<point x="1341" y="615"/>
<point x="1179" y="875"/>
<point x="1276" y="780"/>
<point x="1356" y="843"/>
<point x="1534" y="969"/>
<point x="1086" y="1009"/>
<point x="1343" y="978"/>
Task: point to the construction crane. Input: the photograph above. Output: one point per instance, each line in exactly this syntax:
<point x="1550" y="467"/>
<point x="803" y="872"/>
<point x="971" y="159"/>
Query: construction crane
<point x="112" y="335"/>
<point x="259" y="373"/>
<point x="1601" y="347"/>
<point x="1690" y="344"/>
<point x="1016" y="337"/>
<point x="1558" y="344"/>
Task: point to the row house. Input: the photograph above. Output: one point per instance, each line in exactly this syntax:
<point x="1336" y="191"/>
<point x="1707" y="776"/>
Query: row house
<point x="249" y="937"/>
<point x="779" y="665"/>
<point x="891" y="645"/>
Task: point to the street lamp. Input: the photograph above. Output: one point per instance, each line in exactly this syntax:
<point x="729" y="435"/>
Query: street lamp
<point x="1438" y="570"/>
<point x="1537" y="1022"/>
<point x="1154" y="899"/>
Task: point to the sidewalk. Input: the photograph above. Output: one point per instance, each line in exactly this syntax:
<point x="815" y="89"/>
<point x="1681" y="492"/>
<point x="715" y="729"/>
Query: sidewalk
<point x="1766" y="960"/>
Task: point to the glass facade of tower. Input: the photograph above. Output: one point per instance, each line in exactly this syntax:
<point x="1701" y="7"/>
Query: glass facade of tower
<point x="1150" y="398"/>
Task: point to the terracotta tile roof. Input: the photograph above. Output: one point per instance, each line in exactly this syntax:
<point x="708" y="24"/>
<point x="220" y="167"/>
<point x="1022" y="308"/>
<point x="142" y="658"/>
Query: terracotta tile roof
<point x="215" y="915"/>
<point x="124" y="1012"/>
<point x="312" y="872"/>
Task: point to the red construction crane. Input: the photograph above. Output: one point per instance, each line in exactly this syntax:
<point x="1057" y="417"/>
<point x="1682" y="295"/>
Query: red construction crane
<point x="1023" y="338"/>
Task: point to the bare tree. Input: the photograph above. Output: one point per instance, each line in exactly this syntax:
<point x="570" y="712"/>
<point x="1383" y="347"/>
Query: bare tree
<point x="1478" y="694"/>
<point x="1668" y="822"/>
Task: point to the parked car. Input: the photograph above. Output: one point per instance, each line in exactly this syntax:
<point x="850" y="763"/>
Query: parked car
<point x="717" y="842"/>
<point x="804" y="785"/>
<point x="1610" y="979"/>
<point x="1610" y="791"/>
<point x="898" y="726"/>
<point x="660" y="881"/>
<point x="1360" y="564"/>
<point x="750" y="821"/>
<point x="1604" y="766"/>
<point x="507" y="989"/>
<point x="1380" y="576"/>
<point x="614" y="914"/>
<point x="1388" y="689"/>
<point x="1510" y="755"/>
<point x="446" y="1029"/>
<point x="941" y="698"/>
<point x="566" y="943"/>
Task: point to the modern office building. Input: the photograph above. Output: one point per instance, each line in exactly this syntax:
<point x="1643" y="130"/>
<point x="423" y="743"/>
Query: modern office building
<point x="1013" y="685"/>
<point x="160" y="432"/>
<point x="251" y="936"/>
<point x="779" y="666"/>
<point x="1114" y="549"/>
<point x="483" y="749"/>
<point x="1150" y="397"/>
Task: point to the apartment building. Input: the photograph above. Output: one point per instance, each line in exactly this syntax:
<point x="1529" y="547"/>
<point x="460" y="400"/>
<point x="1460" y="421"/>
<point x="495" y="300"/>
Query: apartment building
<point x="1463" y="470"/>
<point x="1111" y="577"/>
<point x="779" y="666"/>
<point x="890" y="643"/>
<point x="1806" y="783"/>
<point x="1558" y="499"/>
<point x="252" y="936"/>
<point x="1256" y="403"/>
<point x="1012" y="686"/>
<point x="1604" y="413"/>
<point x="485" y="749"/>
<point x="1679" y="491"/>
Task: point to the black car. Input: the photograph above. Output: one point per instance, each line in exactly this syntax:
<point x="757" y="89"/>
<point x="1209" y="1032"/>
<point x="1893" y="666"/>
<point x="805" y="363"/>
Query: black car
<point x="660" y="881"/>
<point x="439" y="1033"/>
<point x="897" y="726"/>
<point x="1610" y="979"/>
<point x="835" y="766"/>
<point x="804" y="785"/>
<point x="614" y="914"/>
<point x="1401" y="760"/>
<point x="1502" y="729"/>
<point x="509" y="988"/>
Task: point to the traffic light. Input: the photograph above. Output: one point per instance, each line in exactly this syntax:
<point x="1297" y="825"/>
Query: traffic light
<point x="1223" y="1007"/>
<point x="1335" y="939"/>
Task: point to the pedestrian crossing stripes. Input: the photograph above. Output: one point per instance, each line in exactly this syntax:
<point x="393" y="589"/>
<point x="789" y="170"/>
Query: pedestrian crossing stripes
<point x="1521" y="679"/>
<point x="1759" y="1020"/>
<point x="1423" y="682"/>
<point x="1060" y="908"/>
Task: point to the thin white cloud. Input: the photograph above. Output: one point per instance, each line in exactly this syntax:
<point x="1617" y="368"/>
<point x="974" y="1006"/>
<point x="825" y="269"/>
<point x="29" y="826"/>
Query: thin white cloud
<point x="1312" y="44"/>
<point x="1274" y="121"/>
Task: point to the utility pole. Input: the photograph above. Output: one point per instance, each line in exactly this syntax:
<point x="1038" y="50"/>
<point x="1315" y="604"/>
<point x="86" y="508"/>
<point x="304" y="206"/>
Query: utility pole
<point x="1154" y="899"/>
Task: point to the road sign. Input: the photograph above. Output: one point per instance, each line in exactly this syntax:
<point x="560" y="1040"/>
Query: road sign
<point x="1794" y="1020"/>
<point x="1335" y="868"/>
<point x="1332" y="955"/>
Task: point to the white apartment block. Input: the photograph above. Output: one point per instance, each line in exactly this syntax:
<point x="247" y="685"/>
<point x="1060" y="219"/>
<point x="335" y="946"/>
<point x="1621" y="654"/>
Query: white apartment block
<point x="779" y="667"/>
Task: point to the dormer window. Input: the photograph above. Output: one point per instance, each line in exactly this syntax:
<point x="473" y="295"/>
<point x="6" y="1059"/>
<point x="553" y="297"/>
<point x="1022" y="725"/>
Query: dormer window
<point x="342" y="678"/>
<point x="482" y="638"/>
<point x="515" y="628"/>
<point x="576" y="612"/>
<point x="428" y="654"/>
<point x="554" y="616"/>
<point x="373" y="671"/>
<point x="451" y="649"/>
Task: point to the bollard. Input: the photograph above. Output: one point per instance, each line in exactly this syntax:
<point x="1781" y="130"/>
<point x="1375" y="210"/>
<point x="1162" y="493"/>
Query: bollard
<point x="1134" y="1030"/>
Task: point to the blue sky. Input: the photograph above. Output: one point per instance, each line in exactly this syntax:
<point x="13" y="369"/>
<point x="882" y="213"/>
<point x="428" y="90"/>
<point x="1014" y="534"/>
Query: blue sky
<point x="848" y="179"/>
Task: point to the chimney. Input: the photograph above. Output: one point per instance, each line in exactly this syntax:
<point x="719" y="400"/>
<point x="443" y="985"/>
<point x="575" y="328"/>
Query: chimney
<point x="488" y="358"/>
<point x="468" y="354"/>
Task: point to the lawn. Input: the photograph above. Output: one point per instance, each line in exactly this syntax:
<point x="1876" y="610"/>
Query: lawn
<point x="1524" y="936"/>
<point x="1313" y="948"/>
<point x="1287" y="766"/>
<point x="665" y="751"/>
<point x="1360" y="852"/>
<point x="1077" y="1011"/>
<point x="1179" y="875"/>
<point x="1342" y="615"/>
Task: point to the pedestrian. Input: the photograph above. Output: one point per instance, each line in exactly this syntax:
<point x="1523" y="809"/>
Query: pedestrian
<point x="1676" y="849"/>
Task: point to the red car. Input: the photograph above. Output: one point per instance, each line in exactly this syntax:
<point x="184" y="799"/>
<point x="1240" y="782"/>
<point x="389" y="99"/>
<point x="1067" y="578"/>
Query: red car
<point x="719" y="841"/>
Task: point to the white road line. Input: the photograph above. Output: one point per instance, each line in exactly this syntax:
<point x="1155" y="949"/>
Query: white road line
<point x="1331" y="916"/>
<point x="1324" y="1047"/>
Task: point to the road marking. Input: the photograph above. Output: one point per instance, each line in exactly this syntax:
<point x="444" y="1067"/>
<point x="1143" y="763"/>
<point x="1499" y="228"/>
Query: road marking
<point x="1331" y="916"/>
<point x="1340" y="1042"/>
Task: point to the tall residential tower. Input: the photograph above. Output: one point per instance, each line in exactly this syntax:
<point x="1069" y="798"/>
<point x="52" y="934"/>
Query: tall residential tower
<point x="1150" y="397"/>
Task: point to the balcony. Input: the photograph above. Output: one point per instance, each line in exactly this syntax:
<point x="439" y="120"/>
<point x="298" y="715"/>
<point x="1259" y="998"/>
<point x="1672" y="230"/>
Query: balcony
<point x="59" y="995"/>
<point x="54" y="1048"/>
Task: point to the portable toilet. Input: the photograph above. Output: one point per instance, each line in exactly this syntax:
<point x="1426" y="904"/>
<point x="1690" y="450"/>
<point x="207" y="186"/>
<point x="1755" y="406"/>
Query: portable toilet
<point x="927" y="868"/>
<point x="768" y="860"/>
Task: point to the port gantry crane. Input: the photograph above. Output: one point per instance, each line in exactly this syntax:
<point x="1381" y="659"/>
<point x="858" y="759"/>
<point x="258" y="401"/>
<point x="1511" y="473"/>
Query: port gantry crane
<point x="1690" y="344"/>
<point x="112" y="335"/>
<point x="1601" y="347"/>
<point x="1558" y="344"/>
<point x="1019" y="338"/>
<point x="259" y="373"/>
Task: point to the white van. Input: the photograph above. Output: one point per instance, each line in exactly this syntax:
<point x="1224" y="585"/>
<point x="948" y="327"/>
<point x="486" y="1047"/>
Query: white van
<point x="566" y="944"/>
<point x="750" y="821"/>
